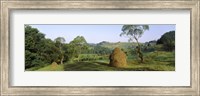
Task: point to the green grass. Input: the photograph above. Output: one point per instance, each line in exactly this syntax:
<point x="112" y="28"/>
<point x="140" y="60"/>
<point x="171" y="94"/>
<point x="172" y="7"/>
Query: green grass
<point x="123" y="45"/>
<point x="101" y="66"/>
<point x="49" y="68"/>
<point x="88" y="66"/>
<point x="158" y="60"/>
<point x="32" y="69"/>
<point x="153" y="61"/>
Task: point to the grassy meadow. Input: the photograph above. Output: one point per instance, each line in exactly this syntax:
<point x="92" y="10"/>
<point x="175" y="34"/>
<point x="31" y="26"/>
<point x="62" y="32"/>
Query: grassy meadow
<point x="154" y="61"/>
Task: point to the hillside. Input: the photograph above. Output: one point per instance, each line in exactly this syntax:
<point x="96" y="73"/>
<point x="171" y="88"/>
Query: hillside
<point x="112" y="45"/>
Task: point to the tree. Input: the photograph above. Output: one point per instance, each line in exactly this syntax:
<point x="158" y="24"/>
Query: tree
<point x="33" y="46"/>
<point x="101" y="50"/>
<point x="59" y="41"/>
<point x="134" y="32"/>
<point x="50" y="51"/>
<point x="78" y="45"/>
<point x="168" y="41"/>
<point x="40" y="51"/>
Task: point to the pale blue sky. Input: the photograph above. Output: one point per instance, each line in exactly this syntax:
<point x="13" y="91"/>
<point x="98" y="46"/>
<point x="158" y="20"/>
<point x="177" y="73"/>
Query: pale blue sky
<point x="97" y="33"/>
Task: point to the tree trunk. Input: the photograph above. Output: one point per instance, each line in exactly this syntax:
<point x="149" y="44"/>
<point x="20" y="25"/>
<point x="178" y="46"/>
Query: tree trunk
<point x="61" y="61"/>
<point x="140" y="55"/>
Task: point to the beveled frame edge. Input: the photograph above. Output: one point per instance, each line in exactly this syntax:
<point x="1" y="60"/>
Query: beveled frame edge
<point x="6" y="6"/>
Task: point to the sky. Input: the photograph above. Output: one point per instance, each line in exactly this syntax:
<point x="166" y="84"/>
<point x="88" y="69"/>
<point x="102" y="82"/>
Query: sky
<point x="98" y="33"/>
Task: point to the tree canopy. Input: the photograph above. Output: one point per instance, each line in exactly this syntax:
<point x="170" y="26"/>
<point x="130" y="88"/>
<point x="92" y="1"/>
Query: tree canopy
<point x="59" y="42"/>
<point x="38" y="50"/>
<point x="168" y="40"/>
<point x="133" y="32"/>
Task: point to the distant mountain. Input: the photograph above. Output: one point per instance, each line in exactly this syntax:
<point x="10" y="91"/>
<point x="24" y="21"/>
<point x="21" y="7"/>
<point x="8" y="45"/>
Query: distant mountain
<point x="103" y="42"/>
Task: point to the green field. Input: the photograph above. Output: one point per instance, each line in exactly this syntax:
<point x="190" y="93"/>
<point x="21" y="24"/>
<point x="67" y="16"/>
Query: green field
<point x="154" y="61"/>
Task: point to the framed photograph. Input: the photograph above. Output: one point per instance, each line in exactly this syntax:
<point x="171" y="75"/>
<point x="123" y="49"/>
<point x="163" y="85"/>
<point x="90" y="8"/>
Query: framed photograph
<point x="91" y="47"/>
<point x="67" y="47"/>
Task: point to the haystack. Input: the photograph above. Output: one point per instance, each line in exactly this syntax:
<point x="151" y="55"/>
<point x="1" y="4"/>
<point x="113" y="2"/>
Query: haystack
<point x="118" y="58"/>
<point x="54" y="65"/>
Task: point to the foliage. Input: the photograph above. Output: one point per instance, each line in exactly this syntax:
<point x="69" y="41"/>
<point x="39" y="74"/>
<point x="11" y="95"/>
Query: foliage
<point x="50" y="51"/>
<point x="77" y="46"/>
<point x="168" y="41"/>
<point x="59" y="43"/>
<point x="60" y="40"/>
<point x="34" y="41"/>
<point x="101" y="50"/>
<point x="39" y="51"/>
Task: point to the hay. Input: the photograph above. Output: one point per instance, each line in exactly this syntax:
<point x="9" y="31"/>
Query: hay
<point x="54" y="65"/>
<point x="118" y="58"/>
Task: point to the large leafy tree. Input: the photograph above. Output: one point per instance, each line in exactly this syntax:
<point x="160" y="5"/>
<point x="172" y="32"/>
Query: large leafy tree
<point x="78" y="45"/>
<point x="168" y="41"/>
<point x="50" y="51"/>
<point x="134" y="32"/>
<point x="59" y="42"/>
<point x="39" y="51"/>
<point x="34" y="41"/>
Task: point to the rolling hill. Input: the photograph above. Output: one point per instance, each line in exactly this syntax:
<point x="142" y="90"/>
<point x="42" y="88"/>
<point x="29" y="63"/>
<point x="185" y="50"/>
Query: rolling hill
<point x="112" y="45"/>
